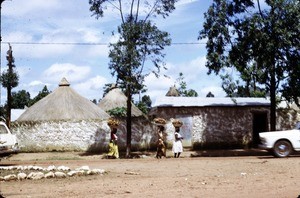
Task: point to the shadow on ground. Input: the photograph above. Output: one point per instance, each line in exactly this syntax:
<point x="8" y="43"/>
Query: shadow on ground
<point x="236" y="152"/>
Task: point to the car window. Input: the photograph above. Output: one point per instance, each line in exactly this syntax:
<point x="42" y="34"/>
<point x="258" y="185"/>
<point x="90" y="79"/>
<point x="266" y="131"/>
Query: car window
<point x="3" y="130"/>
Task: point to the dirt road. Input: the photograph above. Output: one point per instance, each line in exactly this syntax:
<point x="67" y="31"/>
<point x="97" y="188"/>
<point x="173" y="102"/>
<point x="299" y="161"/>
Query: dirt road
<point x="240" y="176"/>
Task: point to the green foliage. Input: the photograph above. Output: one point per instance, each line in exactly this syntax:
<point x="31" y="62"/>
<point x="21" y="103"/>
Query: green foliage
<point x="145" y="104"/>
<point x="140" y="42"/>
<point x="107" y="88"/>
<point x="117" y="112"/>
<point x="235" y="89"/>
<point x="20" y="99"/>
<point x="239" y="34"/>
<point x="94" y="101"/>
<point x="9" y="79"/>
<point x="151" y="8"/>
<point x="40" y="95"/>
<point x="183" y="91"/>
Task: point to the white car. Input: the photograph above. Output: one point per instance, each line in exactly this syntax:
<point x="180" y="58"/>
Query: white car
<point x="281" y="143"/>
<point x="8" y="141"/>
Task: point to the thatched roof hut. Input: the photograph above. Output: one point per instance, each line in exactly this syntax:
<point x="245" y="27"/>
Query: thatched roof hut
<point x="63" y="104"/>
<point x="116" y="98"/>
<point x="173" y="92"/>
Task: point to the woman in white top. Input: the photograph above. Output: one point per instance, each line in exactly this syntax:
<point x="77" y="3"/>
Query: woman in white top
<point x="177" y="144"/>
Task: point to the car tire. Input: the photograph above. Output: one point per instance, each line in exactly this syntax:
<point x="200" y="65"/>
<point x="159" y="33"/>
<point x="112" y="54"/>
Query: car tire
<point x="282" y="148"/>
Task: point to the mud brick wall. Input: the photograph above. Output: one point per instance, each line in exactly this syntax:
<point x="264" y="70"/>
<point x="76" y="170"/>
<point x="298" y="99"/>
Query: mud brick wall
<point x="216" y="127"/>
<point x="86" y="135"/>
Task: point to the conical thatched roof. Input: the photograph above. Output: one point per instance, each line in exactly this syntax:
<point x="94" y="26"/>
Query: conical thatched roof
<point x="116" y="98"/>
<point x="63" y="104"/>
<point x="173" y="92"/>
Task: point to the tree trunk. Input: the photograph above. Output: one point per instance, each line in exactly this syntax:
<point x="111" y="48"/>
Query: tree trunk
<point x="273" y="101"/>
<point x="8" y="110"/>
<point x="128" y="122"/>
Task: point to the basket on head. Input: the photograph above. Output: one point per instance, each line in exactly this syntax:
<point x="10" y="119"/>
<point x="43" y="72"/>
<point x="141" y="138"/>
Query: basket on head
<point x="113" y="123"/>
<point x="159" y="121"/>
<point x="177" y="123"/>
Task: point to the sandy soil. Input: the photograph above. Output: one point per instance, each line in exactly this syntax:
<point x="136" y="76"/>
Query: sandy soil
<point x="233" y="176"/>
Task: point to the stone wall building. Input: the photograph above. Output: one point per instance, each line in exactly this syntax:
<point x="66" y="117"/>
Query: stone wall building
<point x="215" y="122"/>
<point x="66" y="121"/>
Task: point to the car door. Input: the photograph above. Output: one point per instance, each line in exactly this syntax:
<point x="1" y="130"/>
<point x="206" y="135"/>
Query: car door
<point x="296" y="143"/>
<point x="6" y="138"/>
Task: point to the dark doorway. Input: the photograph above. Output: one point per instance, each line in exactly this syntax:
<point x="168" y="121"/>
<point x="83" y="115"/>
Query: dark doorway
<point x="259" y="124"/>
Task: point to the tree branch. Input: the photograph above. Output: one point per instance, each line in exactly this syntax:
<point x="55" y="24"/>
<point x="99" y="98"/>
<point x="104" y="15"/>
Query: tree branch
<point x="137" y="10"/>
<point x="121" y="11"/>
<point x="259" y="8"/>
<point x="131" y="8"/>
<point x="151" y="11"/>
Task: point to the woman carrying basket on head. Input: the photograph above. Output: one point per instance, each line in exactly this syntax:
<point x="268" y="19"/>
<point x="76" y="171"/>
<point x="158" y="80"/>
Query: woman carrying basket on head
<point x="177" y="147"/>
<point x="113" y="150"/>
<point x="161" y="140"/>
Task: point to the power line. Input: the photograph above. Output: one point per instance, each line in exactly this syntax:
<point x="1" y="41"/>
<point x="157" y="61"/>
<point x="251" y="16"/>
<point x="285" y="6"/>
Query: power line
<point x="81" y="43"/>
<point x="52" y="43"/>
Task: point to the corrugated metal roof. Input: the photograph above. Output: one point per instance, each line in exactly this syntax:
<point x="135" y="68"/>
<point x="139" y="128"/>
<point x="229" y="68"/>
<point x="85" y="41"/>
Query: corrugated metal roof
<point x="209" y="101"/>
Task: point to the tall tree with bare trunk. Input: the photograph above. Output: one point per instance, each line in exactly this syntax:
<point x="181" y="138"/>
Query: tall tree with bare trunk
<point x="139" y="49"/>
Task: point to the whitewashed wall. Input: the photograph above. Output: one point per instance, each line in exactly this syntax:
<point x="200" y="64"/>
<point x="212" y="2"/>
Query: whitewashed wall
<point x="60" y="136"/>
<point x="90" y="136"/>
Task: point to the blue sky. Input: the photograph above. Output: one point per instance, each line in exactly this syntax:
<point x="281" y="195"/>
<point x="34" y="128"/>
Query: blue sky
<point x="86" y="66"/>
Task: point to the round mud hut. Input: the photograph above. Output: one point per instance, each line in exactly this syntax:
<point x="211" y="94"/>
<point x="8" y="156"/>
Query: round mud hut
<point x="116" y="98"/>
<point x="62" y="121"/>
<point x="142" y="130"/>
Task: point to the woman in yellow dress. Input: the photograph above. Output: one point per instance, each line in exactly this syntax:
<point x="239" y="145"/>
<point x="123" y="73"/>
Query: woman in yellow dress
<point x="113" y="150"/>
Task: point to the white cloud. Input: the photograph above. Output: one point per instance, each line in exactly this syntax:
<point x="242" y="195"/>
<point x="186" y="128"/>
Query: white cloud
<point x="35" y="83"/>
<point x="193" y="70"/>
<point x="28" y="8"/>
<point x="35" y="50"/>
<point x="71" y="72"/>
<point x="18" y="36"/>
<point x="217" y="91"/>
<point x="159" y="83"/>
<point x="92" y="88"/>
<point x="184" y="2"/>
<point x="35" y="86"/>
<point x="66" y="21"/>
<point x="195" y="75"/>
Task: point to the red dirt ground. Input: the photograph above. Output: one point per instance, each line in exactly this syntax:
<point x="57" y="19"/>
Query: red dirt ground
<point x="234" y="176"/>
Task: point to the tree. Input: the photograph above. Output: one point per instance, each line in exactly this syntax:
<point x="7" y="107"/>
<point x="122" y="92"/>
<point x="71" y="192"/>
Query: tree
<point x="20" y="99"/>
<point x="9" y="80"/>
<point x="250" y="88"/>
<point x="117" y="112"/>
<point x="240" y="33"/>
<point x="140" y="42"/>
<point x="107" y="88"/>
<point x="40" y="95"/>
<point x="183" y="91"/>
<point x="145" y="104"/>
